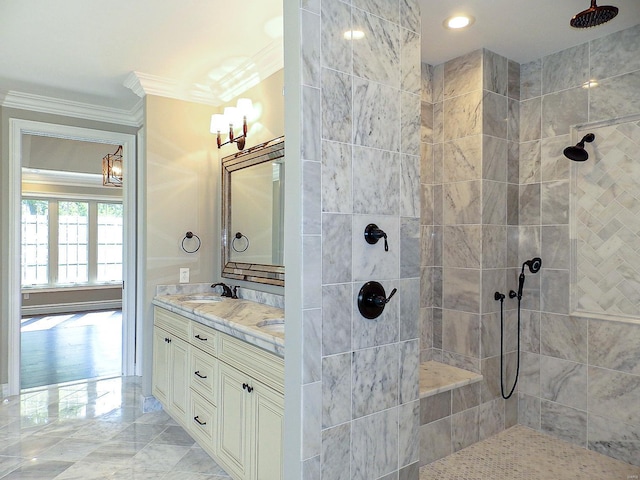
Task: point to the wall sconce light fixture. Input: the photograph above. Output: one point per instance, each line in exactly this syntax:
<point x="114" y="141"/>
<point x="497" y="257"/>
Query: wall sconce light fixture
<point x="112" y="169"/>
<point x="233" y="116"/>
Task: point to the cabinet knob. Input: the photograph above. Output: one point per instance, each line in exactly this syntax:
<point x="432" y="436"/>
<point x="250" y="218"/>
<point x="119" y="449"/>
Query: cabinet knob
<point x="197" y="374"/>
<point x="197" y="420"/>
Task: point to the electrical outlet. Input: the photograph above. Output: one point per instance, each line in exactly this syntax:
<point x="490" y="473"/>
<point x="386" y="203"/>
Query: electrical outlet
<point x="184" y="275"/>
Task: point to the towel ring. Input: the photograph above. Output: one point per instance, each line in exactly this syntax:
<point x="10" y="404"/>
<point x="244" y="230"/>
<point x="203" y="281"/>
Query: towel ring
<point x="238" y="236"/>
<point x="189" y="235"/>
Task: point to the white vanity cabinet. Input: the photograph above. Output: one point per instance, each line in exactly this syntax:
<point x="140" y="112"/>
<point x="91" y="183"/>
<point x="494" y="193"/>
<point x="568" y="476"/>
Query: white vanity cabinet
<point x="232" y="394"/>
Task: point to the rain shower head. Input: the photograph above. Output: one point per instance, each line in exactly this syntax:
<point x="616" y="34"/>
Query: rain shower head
<point x="593" y="16"/>
<point x="577" y="153"/>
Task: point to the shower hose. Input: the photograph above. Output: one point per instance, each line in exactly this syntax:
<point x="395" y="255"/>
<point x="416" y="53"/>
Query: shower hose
<point x="500" y="297"/>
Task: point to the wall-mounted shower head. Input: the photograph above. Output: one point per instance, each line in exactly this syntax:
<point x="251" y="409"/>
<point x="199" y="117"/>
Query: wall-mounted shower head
<point x="534" y="265"/>
<point x="577" y="153"/>
<point x="593" y="16"/>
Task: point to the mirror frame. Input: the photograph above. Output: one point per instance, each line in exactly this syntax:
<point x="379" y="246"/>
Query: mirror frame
<point x="249" y="272"/>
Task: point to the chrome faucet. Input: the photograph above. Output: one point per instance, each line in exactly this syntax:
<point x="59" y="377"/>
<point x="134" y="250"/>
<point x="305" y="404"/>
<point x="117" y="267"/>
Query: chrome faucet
<point x="226" y="290"/>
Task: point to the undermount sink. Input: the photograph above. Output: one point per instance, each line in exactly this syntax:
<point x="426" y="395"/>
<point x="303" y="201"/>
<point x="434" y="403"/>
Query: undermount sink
<point x="272" y="325"/>
<point x="200" y="299"/>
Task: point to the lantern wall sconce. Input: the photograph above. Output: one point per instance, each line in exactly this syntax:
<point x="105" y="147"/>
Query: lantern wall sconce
<point x="112" y="169"/>
<point x="232" y="117"/>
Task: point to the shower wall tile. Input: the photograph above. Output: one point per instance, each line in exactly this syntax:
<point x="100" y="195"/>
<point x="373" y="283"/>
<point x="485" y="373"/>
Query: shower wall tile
<point x="615" y="346"/>
<point x="512" y="233"/>
<point x="409" y="426"/>
<point x="375" y="379"/>
<point x="311" y="5"/>
<point x="310" y="49"/>
<point x="379" y="331"/>
<point x="427" y="287"/>
<point x="426" y="164"/>
<point x="465" y="429"/>
<point x="513" y="121"/>
<point x="461" y="289"/>
<point x="435" y="407"/>
<point x="409" y="376"/>
<point x="410" y="472"/>
<point x="374" y="445"/>
<point x="376" y="194"/>
<point x="461" y="204"/>
<point x="529" y="247"/>
<point x="435" y="441"/>
<point x="494" y="203"/>
<point x="495" y="72"/>
<point x="410" y="186"/>
<point x="437" y="328"/>
<point x="530" y="331"/>
<point x="311" y="132"/>
<point x="513" y="200"/>
<point x="462" y="246"/>
<point x="336" y="106"/>
<point x="311" y="198"/>
<point x="492" y="280"/>
<point x="494" y="158"/>
<point x="564" y="422"/>
<point x="531" y="79"/>
<point x="410" y="61"/>
<point x="563" y="109"/>
<point x="426" y="123"/>
<point x="513" y="86"/>
<point x="336" y="318"/>
<point x="438" y="122"/>
<point x="615" y="439"/>
<point x="465" y="397"/>
<point x="426" y="83"/>
<point x="615" y="97"/>
<point x="491" y="418"/>
<point x="463" y="159"/>
<point x="438" y="83"/>
<point x="312" y="335"/>
<point x="311" y="282"/>
<point x="311" y="410"/>
<point x="336" y="390"/>
<point x="311" y="468"/>
<point x="427" y="245"/>
<point x="494" y="239"/>
<point x="555" y="246"/>
<point x="530" y="162"/>
<point x="387" y="10"/>
<point x="529" y="381"/>
<point x="471" y="364"/>
<point x="373" y="117"/>
<point x="554" y="294"/>
<point x="615" y="395"/>
<point x="555" y="166"/>
<point x="336" y="453"/>
<point x="372" y="261"/>
<point x="490" y="333"/>
<point x="565" y="69"/>
<point x="555" y="203"/>
<point x="511" y="411"/>
<point x="462" y="115"/>
<point x="463" y="74"/>
<point x="410" y="124"/>
<point x="529" y="411"/>
<point x="426" y="329"/>
<point x="513" y="160"/>
<point x="563" y="382"/>
<point x="426" y="204"/>
<point x="336" y="246"/>
<point x="336" y="50"/>
<point x="410" y="15"/>
<point x="616" y="53"/>
<point x="461" y="333"/>
<point x="408" y="291"/>
<point x="409" y="248"/>
<point x="495" y="114"/>
<point x="530" y="119"/>
<point x="337" y="183"/>
<point x="376" y="56"/>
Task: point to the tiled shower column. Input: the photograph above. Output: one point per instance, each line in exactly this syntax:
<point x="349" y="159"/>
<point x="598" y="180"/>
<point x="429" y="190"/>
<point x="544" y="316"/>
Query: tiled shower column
<point x="360" y="154"/>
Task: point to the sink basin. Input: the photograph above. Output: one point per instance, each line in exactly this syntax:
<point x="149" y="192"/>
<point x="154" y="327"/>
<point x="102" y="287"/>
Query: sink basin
<point x="275" y="325"/>
<point x="200" y="299"/>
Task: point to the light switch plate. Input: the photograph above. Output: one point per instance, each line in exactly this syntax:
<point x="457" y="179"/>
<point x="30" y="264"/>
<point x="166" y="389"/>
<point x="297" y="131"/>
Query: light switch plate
<point x="184" y="275"/>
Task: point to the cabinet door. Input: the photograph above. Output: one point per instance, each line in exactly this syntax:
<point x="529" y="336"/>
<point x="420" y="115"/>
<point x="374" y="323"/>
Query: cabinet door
<point x="179" y="377"/>
<point x="161" y="365"/>
<point x="232" y="420"/>
<point x="267" y="434"/>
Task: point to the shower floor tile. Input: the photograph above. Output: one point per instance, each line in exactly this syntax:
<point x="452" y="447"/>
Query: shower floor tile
<point x="520" y="453"/>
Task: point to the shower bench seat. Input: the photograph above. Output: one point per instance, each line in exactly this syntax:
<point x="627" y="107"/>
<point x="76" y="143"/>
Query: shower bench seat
<point x="436" y="377"/>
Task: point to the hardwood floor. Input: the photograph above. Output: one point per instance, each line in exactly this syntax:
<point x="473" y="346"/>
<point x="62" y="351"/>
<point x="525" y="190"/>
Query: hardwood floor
<point x="68" y="347"/>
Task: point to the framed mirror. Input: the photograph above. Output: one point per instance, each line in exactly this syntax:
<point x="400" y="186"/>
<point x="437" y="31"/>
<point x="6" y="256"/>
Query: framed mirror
<point x="253" y="214"/>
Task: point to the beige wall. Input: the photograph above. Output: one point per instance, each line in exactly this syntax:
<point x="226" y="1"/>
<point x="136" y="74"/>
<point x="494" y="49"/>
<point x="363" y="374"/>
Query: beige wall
<point x="63" y="154"/>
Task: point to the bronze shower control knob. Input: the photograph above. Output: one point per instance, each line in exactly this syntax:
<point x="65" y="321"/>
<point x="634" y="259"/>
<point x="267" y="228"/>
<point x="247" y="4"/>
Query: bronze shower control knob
<point x="372" y="299"/>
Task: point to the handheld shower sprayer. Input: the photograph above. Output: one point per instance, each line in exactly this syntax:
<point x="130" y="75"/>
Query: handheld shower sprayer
<point x="534" y="267"/>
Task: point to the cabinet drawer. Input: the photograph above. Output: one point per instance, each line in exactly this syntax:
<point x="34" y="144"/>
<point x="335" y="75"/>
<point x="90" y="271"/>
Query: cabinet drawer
<point x="172" y="323"/>
<point x="204" y="374"/>
<point x="255" y="362"/>
<point x="203" y="421"/>
<point x="204" y="337"/>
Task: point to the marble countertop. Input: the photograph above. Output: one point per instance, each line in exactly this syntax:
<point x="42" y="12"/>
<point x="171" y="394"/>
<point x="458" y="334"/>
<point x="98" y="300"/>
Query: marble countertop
<point x="436" y="377"/>
<point x="236" y="317"/>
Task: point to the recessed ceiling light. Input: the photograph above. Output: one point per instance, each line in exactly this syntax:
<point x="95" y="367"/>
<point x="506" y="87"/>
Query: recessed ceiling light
<point x="458" y="21"/>
<point x="354" y="34"/>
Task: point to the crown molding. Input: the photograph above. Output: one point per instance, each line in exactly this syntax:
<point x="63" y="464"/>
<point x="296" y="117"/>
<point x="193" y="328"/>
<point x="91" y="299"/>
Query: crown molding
<point x="246" y="75"/>
<point x="72" y="108"/>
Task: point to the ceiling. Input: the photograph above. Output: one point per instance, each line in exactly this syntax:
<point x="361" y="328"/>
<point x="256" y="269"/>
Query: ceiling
<point x="86" y="51"/>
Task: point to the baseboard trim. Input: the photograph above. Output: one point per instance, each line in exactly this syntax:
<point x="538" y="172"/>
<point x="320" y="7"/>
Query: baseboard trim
<point x="5" y="390"/>
<point x="72" y="307"/>
<point x="150" y="404"/>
